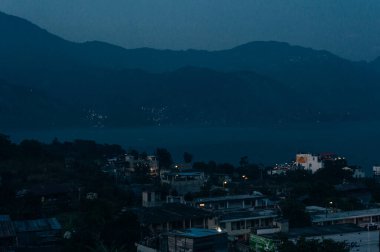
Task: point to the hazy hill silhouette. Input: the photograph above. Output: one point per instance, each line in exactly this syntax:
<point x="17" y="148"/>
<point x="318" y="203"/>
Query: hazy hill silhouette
<point x="105" y="85"/>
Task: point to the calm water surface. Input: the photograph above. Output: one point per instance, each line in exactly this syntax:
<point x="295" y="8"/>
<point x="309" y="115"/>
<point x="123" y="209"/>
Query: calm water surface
<point x="359" y="142"/>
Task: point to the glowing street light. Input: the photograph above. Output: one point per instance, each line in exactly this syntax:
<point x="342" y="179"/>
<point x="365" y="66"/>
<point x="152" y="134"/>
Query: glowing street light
<point x="224" y="184"/>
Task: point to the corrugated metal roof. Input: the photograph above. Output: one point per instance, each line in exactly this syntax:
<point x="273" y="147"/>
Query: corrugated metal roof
<point x="7" y="229"/>
<point x="195" y="232"/>
<point x="37" y="225"/>
<point x="5" y="218"/>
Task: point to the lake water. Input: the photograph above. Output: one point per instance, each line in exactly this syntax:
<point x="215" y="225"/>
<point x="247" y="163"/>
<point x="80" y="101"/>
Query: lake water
<point x="358" y="142"/>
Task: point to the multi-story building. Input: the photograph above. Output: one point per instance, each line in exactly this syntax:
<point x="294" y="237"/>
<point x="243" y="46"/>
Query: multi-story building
<point x="313" y="163"/>
<point x="362" y="218"/>
<point x="309" y="162"/>
<point x="239" y="224"/>
<point x="376" y="172"/>
<point x="184" y="182"/>
<point x="233" y="202"/>
<point x="195" y="240"/>
<point x="8" y="239"/>
<point x="357" y="239"/>
<point x="238" y="214"/>
<point x="132" y="164"/>
<point x="174" y="216"/>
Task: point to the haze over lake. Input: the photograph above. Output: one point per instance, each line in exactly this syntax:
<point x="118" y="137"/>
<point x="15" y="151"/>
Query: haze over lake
<point x="358" y="142"/>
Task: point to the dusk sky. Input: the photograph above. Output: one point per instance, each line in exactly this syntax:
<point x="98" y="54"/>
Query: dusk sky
<point x="349" y="28"/>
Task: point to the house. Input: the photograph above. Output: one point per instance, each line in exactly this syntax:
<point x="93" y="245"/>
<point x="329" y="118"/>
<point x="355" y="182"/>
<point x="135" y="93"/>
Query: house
<point x="195" y="240"/>
<point x="357" y="172"/>
<point x="48" y="198"/>
<point x="171" y="216"/>
<point x="132" y="164"/>
<point x="359" y="217"/>
<point x="175" y="199"/>
<point x="376" y="172"/>
<point x="357" y="238"/>
<point x="239" y="224"/>
<point x="8" y="240"/>
<point x="231" y="202"/>
<point x="309" y="162"/>
<point x="314" y="162"/>
<point x="38" y="232"/>
<point x="184" y="182"/>
<point x="151" y="198"/>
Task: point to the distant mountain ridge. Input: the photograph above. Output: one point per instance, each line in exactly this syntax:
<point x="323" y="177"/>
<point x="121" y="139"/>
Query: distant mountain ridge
<point x="106" y="85"/>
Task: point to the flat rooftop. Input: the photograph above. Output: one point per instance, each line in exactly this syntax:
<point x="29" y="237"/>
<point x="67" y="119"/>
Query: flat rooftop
<point x="345" y="215"/>
<point x="5" y="218"/>
<point x="185" y="174"/>
<point x="37" y="225"/>
<point x="314" y="231"/>
<point x="226" y="198"/>
<point x="195" y="232"/>
<point x="170" y="212"/>
<point x="245" y="215"/>
<point x="7" y="229"/>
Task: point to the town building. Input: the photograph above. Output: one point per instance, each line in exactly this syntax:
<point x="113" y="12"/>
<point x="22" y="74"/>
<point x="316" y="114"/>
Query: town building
<point x="52" y="197"/>
<point x="232" y="202"/>
<point x="151" y="199"/>
<point x="376" y="171"/>
<point x="184" y="182"/>
<point x="239" y="224"/>
<point x="195" y="240"/>
<point x="38" y="233"/>
<point x="357" y="238"/>
<point x="8" y="239"/>
<point x="357" y="172"/>
<point x="132" y="164"/>
<point x="314" y="162"/>
<point x="171" y="216"/>
<point x="175" y="199"/>
<point x="309" y="162"/>
<point x="361" y="218"/>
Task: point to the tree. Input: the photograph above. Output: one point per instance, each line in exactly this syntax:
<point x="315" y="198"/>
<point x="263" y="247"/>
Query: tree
<point x="5" y="147"/>
<point x="187" y="157"/>
<point x="134" y="153"/>
<point x="244" y="162"/>
<point x="295" y="212"/>
<point x="164" y="158"/>
<point x="225" y="168"/>
<point x="123" y="232"/>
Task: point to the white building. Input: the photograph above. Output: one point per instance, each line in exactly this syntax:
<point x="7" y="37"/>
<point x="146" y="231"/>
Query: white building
<point x="376" y="171"/>
<point x="309" y="162"/>
<point x="356" y="172"/>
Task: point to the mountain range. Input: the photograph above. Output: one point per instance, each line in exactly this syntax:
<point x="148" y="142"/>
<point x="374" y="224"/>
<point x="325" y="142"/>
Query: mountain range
<point x="49" y="82"/>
